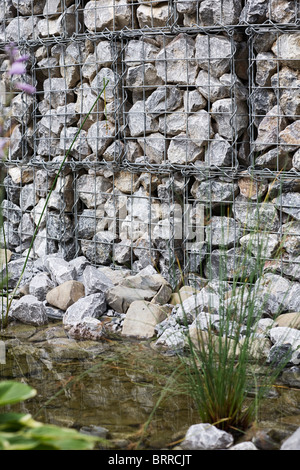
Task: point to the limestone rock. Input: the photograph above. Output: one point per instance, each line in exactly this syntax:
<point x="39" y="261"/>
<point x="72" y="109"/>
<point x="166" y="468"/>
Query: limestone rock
<point x="181" y="67"/>
<point x="100" y="135"/>
<point x="289" y="138"/>
<point x="120" y="298"/>
<point x="231" y="119"/>
<point x="102" y="14"/>
<point x="205" y="436"/>
<point x="183" y="151"/>
<point x="225" y="12"/>
<point x="286" y="49"/>
<point x="40" y="285"/>
<point x="213" y="53"/>
<point x="92" y="189"/>
<point x="140" y="122"/>
<point x="29" y="310"/>
<point x="66" y="294"/>
<point x="153" y="16"/>
<point x="200" y="128"/>
<point x="141" y="319"/>
<point x="163" y="100"/>
<point x="60" y="270"/>
<point x="95" y="281"/>
<point x="93" y="305"/>
<point x="90" y="329"/>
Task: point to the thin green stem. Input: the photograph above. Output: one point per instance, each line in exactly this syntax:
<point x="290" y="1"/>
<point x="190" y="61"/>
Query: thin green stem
<point x="48" y="197"/>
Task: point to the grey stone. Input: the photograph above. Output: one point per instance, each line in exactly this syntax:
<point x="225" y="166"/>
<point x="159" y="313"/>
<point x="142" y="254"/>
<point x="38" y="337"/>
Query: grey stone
<point x="29" y="310"/>
<point x="70" y="136"/>
<point x="247" y="445"/>
<point x="59" y="227"/>
<point x="231" y="118"/>
<point x="200" y="127"/>
<point x="289" y="138"/>
<point x="62" y="195"/>
<point x="92" y="190"/>
<point x="186" y="6"/>
<point x="95" y="281"/>
<point x="110" y="14"/>
<point x="174" y="123"/>
<point x="79" y="264"/>
<point x="163" y="100"/>
<point x="143" y="76"/>
<point x="90" y="329"/>
<point x="153" y="16"/>
<point x="193" y="101"/>
<point x="289" y="203"/>
<point x="93" y="305"/>
<point x="175" y="62"/>
<point x="183" y="151"/>
<point x="291" y="376"/>
<point x="60" y="270"/>
<point x="219" y="153"/>
<point x="224" y="12"/>
<point x="120" y="298"/>
<point x="154" y="147"/>
<point x="99" y="249"/>
<point x="255" y="216"/>
<point x="138" y="52"/>
<point x="204" y="301"/>
<point x="56" y="93"/>
<point x="254" y="12"/>
<point x="211" y="87"/>
<point x="28" y="197"/>
<point x="269" y="130"/>
<point x="53" y="7"/>
<point x="287" y="82"/>
<point x="262" y="100"/>
<point x="100" y="135"/>
<point x="261" y="244"/>
<point x="21" y="108"/>
<point x="222" y="231"/>
<point x="40" y="285"/>
<point x="234" y="263"/>
<point x="266" y="66"/>
<point x="274" y="159"/>
<point x="214" y="192"/>
<point x="271" y="291"/>
<point x="86" y="99"/>
<point x="65" y="24"/>
<point x="11" y="211"/>
<point x="213" y="53"/>
<point x="140" y="122"/>
<point x="21" y="28"/>
<point x="292" y="442"/>
<point x="286" y="49"/>
<point x="106" y="75"/>
<point x="205" y="436"/>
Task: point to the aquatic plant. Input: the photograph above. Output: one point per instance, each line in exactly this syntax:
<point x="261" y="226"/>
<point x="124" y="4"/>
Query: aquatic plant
<point x="19" y="431"/>
<point x="225" y="362"/>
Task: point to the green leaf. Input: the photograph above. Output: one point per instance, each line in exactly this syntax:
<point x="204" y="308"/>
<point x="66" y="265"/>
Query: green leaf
<point x="14" y="392"/>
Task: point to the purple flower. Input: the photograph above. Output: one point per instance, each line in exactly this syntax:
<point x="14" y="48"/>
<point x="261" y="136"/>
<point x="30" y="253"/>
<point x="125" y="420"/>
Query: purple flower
<point x="17" y="68"/>
<point x="3" y="143"/>
<point x="29" y="89"/>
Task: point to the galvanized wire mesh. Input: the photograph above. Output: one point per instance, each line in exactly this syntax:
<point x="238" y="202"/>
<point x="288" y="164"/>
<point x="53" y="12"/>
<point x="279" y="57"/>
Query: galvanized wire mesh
<point x="192" y="138"/>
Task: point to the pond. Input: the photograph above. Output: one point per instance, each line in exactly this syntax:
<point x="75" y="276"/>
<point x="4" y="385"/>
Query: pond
<point x="121" y="385"/>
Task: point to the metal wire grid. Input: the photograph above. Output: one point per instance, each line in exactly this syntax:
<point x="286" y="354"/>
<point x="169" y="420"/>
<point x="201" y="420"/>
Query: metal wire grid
<point x="71" y="224"/>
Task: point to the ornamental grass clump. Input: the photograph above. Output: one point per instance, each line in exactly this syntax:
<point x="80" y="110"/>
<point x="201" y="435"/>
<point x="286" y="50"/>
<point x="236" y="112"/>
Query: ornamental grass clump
<point x="227" y="368"/>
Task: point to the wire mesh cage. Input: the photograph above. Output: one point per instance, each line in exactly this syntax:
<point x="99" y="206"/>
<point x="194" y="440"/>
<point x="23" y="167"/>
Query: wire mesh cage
<point x="188" y="157"/>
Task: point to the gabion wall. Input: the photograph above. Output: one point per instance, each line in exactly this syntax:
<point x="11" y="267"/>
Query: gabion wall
<point x="198" y="129"/>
